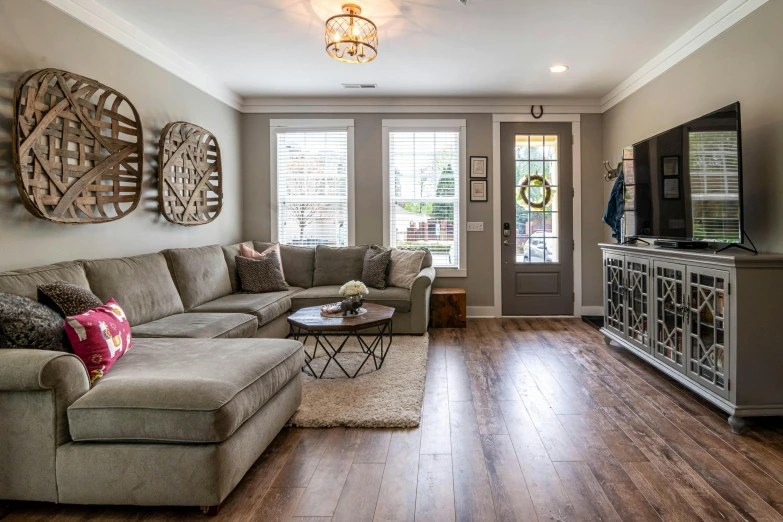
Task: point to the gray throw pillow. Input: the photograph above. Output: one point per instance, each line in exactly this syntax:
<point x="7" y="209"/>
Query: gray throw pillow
<point x="25" y="323"/>
<point x="376" y="264"/>
<point x="260" y="275"/>
<point x="67" y="298"/>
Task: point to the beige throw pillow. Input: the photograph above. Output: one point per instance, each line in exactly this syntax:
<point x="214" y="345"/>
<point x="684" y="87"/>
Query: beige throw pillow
<point x="405" y="266"/>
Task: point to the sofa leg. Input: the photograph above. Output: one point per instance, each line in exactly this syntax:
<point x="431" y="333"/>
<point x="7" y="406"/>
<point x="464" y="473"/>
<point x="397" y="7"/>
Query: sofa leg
<point x="211" y="511"/>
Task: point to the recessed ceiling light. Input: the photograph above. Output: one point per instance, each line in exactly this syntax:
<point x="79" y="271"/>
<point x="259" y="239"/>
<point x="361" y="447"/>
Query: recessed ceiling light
<point x="558" y="68"/>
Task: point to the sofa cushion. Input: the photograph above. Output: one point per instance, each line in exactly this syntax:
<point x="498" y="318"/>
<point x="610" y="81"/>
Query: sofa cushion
<point x="199" y="391"/>
<point x="201" y="274"/>
<point x="266" y="307"/>
<point x="25" y="282"/>
<point x="298" y="263"/>
<point x="200" y="326"/>
<point x="229" y="253"/>
<point x="142" y="285"/>
<point x="338" y="265"/>
<point x="397" y="298"/>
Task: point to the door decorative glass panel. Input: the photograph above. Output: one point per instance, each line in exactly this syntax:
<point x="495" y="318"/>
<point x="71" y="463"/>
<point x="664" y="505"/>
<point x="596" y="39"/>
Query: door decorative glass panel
<point x="615" y="295"/>
<point x="638" y="302"/>
<point x="707" y="359"/>
<point x="537" y="207"/>
<point x="669" y="314"/>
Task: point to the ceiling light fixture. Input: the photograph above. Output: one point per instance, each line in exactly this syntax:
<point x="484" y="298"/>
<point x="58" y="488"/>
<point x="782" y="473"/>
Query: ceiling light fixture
<point x="558" y="68"/>
<point x="351" y="38"/>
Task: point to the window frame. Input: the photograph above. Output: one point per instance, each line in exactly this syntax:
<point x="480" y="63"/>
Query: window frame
<point x="276" y="126"/>
<point x="431" y="125"/>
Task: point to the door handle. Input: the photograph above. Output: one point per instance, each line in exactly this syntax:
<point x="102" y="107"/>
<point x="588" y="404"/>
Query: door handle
<point x="505" y="242"/>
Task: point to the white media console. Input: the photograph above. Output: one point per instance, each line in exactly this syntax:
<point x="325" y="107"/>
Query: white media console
<point x="713" y="322"/>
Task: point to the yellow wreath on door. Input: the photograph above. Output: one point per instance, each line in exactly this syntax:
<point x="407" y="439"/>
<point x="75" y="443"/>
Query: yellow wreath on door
<point x="534" y="180"/>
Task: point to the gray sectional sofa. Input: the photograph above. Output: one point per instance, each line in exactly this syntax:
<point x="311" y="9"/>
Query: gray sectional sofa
<point x="209" y="382"/>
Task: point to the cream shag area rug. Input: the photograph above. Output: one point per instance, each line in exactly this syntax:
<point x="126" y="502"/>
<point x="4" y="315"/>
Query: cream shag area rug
<point x="387" y="398"/>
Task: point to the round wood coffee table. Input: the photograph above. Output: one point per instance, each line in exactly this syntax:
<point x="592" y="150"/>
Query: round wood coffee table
<point x="308" y="322"/>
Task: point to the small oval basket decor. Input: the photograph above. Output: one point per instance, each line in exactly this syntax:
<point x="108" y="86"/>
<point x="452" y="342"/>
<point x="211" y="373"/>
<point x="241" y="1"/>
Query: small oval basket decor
<point x="77" y="147"/>
<point x="190" y="188"/>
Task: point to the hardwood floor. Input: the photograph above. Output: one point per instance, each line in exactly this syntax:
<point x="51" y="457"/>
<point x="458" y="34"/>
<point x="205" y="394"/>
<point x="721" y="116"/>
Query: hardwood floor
<point x="523" y="419"/>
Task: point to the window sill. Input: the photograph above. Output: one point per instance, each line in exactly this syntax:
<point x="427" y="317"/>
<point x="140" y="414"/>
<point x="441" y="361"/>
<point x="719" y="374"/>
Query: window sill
<point x="451" y="272"/>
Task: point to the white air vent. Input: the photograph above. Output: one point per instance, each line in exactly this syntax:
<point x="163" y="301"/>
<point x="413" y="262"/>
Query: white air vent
<point x="360" y="85"/>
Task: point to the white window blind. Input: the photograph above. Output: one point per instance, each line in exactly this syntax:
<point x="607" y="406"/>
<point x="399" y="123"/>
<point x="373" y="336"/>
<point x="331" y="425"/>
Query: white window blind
<point x="714" y="179"/>
<point x="312" y="187"/>
<point x="424" y="193"/>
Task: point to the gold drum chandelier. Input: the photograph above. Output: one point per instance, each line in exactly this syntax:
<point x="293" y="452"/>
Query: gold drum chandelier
<point x="351" y="38"/>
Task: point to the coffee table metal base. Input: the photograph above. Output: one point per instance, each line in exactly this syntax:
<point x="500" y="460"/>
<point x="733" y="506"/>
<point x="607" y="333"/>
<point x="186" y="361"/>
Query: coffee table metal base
<point x="376" y="348"/>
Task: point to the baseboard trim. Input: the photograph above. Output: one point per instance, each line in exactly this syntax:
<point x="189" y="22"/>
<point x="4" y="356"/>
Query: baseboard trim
<point x="592" y="310"/>
<point x="480" y="312"/>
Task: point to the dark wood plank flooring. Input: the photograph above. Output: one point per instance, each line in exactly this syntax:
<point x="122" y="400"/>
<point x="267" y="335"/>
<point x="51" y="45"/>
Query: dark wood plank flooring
<point x="523" y="419"/>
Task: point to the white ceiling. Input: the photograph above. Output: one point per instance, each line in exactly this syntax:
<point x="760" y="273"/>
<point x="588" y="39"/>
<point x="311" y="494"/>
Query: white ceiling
<point x="427" y="47"/>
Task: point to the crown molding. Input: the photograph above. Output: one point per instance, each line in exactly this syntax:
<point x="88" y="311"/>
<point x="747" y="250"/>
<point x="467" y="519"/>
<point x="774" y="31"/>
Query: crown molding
<point x="417" y="105"/>
<point x="111" y="25"/>
<point x="697" y="37"/>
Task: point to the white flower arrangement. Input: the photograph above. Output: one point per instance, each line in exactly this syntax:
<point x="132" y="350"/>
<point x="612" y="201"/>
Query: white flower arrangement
<point x="353" y="288"/>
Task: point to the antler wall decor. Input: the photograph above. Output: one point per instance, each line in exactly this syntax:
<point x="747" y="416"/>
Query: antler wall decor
<point x="77" y="148"/>
<point x="191" y="176"/>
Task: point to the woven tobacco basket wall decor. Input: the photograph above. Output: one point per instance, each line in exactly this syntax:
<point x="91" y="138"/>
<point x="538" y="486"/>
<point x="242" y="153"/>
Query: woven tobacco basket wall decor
<point x="191" y="175"/>
<point x="77" y="147"/>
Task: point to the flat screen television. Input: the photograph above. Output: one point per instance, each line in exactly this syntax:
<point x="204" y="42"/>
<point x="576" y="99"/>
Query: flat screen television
<point x="686" y="183"/>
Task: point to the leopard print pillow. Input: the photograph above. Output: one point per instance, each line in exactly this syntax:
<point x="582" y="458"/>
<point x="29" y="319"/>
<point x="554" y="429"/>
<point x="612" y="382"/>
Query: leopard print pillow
<point x="376" y="267"/>
<point x="67" y="299"/>
<point x="25" y="323"/>
<point x="260" y="275"/>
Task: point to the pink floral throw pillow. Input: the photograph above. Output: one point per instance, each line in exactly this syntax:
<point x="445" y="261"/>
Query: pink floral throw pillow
<point x="99" y="337"/>
<point x="252" y="253"/>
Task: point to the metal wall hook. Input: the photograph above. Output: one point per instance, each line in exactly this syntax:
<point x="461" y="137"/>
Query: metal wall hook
<point x="610" y="172"/>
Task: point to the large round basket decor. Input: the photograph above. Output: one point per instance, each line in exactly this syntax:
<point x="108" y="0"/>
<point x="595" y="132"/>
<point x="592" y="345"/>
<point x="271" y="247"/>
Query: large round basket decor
<point x="77" y="147"/>
<point x="191" y="175"/>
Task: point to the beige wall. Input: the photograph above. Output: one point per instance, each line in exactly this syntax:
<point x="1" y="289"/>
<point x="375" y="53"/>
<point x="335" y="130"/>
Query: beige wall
<point x="744" y="64"/>
<point x="369" y="192"/>
<point x="34" y="35"/>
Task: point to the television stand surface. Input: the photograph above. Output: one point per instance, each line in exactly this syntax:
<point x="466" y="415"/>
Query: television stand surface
<point x="681" y="244"/>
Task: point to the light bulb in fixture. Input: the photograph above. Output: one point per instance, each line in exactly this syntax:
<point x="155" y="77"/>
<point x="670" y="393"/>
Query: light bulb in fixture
<point x="558" y="68"/>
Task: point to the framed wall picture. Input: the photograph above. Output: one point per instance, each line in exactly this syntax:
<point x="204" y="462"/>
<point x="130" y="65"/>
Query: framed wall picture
<point x="671" y="188"/>
<point x="478" y="191"/>
<point x="478" y="166"/>
<point x="671" y="166"/>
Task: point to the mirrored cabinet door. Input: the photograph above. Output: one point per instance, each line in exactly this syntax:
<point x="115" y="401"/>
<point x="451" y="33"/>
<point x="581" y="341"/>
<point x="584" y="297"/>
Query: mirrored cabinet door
<point x="708" y="360"/>
<point x="637" y="302"/>
<point x="614" y="293"/>
<point x="669" y="313"/>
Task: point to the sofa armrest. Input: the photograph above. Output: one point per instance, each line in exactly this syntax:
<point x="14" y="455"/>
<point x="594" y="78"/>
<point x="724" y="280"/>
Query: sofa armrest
<point x="423" y="281"/>
<point x="420" y="300"/>
<point x="36" y="370"/>
<point x="36" y="389"/>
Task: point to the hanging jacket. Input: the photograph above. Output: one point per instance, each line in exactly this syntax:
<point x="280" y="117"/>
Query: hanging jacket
<point x="616" y="206"/>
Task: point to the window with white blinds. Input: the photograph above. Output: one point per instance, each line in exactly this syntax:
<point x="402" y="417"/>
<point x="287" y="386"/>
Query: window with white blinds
<point x="714" y="180"/>
<point x="424" y="166"/>
<point x="312" y="177"/>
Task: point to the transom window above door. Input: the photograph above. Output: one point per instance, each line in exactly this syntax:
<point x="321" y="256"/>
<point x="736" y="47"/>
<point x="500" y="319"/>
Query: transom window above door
<point x="312" y="182"/>
<point x="536" y="187"/>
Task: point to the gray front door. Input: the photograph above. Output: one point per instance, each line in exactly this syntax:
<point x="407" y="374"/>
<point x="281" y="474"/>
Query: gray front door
<point x="536" y="208"/>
